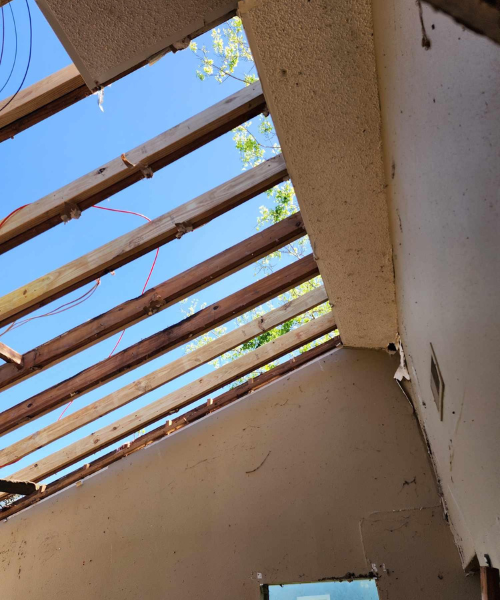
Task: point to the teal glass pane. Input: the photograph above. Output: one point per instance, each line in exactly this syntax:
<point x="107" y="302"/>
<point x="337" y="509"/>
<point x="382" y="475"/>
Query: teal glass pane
<point x="364" y="589"/>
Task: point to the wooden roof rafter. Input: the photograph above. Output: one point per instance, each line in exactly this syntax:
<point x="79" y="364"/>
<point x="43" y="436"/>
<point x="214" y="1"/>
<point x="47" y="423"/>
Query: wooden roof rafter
<point x="153" y="300"/>
<point x="162" y="376"/>
<point x="117" y="174"/>
<point x="158" y="344"/>
<point x="144" y="239"/>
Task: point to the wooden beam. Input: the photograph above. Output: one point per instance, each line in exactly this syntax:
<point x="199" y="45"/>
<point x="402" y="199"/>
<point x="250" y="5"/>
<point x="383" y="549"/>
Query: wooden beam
<point x="154" y="300"/>
<point x="4" y="2"/>
<point x="66" y="84"/>
<point x="116" y="175"/>
<point x="490" y="583"/>
<point x="481" y="16"/>
<point x="64" y="88"/>
<point x="11" y="486"/>
<point x="10" y="356"/>
<point x="140" y="241"/>
<point x="212" y="405"/>
<point x="161" y="376"/>
<point x="159" y="343"/>
<point x="178" y="399"/>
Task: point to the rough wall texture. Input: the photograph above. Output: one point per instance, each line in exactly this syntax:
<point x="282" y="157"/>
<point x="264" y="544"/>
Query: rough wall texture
<point x="106" y="38"/>
<point x="316" y="62"/>
<point x="284" y="483"/>
<point x="441" y="127"/>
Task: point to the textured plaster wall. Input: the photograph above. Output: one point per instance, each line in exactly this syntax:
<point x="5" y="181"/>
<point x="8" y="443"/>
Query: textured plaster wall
<point x="316" y="62"/>
<point x="441" y="125"/>
<point x="107" y="37"/>
<point x="316" y="475"/>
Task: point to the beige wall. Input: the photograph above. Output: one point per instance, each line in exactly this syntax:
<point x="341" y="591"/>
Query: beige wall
<point x="346" y="483"/>
<point x="316" y="61"/>
<point x="441" y="132"/>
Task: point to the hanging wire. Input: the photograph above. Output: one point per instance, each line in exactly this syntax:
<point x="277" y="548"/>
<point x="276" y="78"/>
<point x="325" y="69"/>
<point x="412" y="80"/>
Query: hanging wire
<point x="29" y="60"/>
<point x="3" y="36"/>
<point x="86" y="295"/>
<point x="15" y="47"/>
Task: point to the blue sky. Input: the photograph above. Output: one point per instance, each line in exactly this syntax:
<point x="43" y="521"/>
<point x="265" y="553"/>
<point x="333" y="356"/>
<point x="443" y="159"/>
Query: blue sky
<point x="68" y="145"/>
<point x="365" y="589"/>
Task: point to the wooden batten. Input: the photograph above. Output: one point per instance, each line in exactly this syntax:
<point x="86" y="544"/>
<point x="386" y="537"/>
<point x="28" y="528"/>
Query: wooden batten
<point x="153" y="300"/>
<point x="162" y="376"/>
<point x="172" y="426"/>
<point x="140" y="241"/>
<point x="11" y="356"/>
<point x="118" y="174"/>
<point x="159" y="343"/>
<point x="64" y="84"/>
<point x="178" y="399"/>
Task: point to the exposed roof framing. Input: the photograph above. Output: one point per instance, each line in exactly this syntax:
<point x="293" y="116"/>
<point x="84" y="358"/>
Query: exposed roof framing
<point x="62" y="89"/>
<point x="161" y="376"/>
<point x="178" y="399"/>
<point x="159" y="343"/>
<point x="171" y="426"/>
<point x="153" y="300"/>
<point x="69" y="202"/>
<point x="118" y="174"/>
<point x="140" y="241"/>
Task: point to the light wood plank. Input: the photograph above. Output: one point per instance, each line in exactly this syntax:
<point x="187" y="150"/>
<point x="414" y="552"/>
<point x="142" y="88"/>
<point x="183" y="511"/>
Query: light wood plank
<point x="142" y="240"/>
<point x="161" y="376"/>
<point x="159" y="343"/>
<point x="154" y="300"/>
<point x="174" y="425"/>
<point x="176" y="400"/>
<point x="115" y="175"/>
<point x="40" y="94"/>
<point x="11" y="356"/>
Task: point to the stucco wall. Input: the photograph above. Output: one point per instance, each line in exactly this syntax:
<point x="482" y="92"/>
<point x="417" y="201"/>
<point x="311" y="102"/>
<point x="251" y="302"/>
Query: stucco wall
<point x="346" y="483"/>
<point x="441" y="133"/>
<point x="316" y="61"/>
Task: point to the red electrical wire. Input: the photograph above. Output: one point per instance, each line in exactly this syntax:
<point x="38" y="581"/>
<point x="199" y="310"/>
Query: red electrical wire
<point x="87" y="294"/>
<point x="12" y="213"/>
<point x="127" y="212"/>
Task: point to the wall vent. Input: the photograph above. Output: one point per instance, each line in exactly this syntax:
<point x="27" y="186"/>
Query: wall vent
<point x="437" y="383"/>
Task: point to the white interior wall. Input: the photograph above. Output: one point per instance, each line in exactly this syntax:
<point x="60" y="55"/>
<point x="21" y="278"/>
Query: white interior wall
<point x="441" y="136"/>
